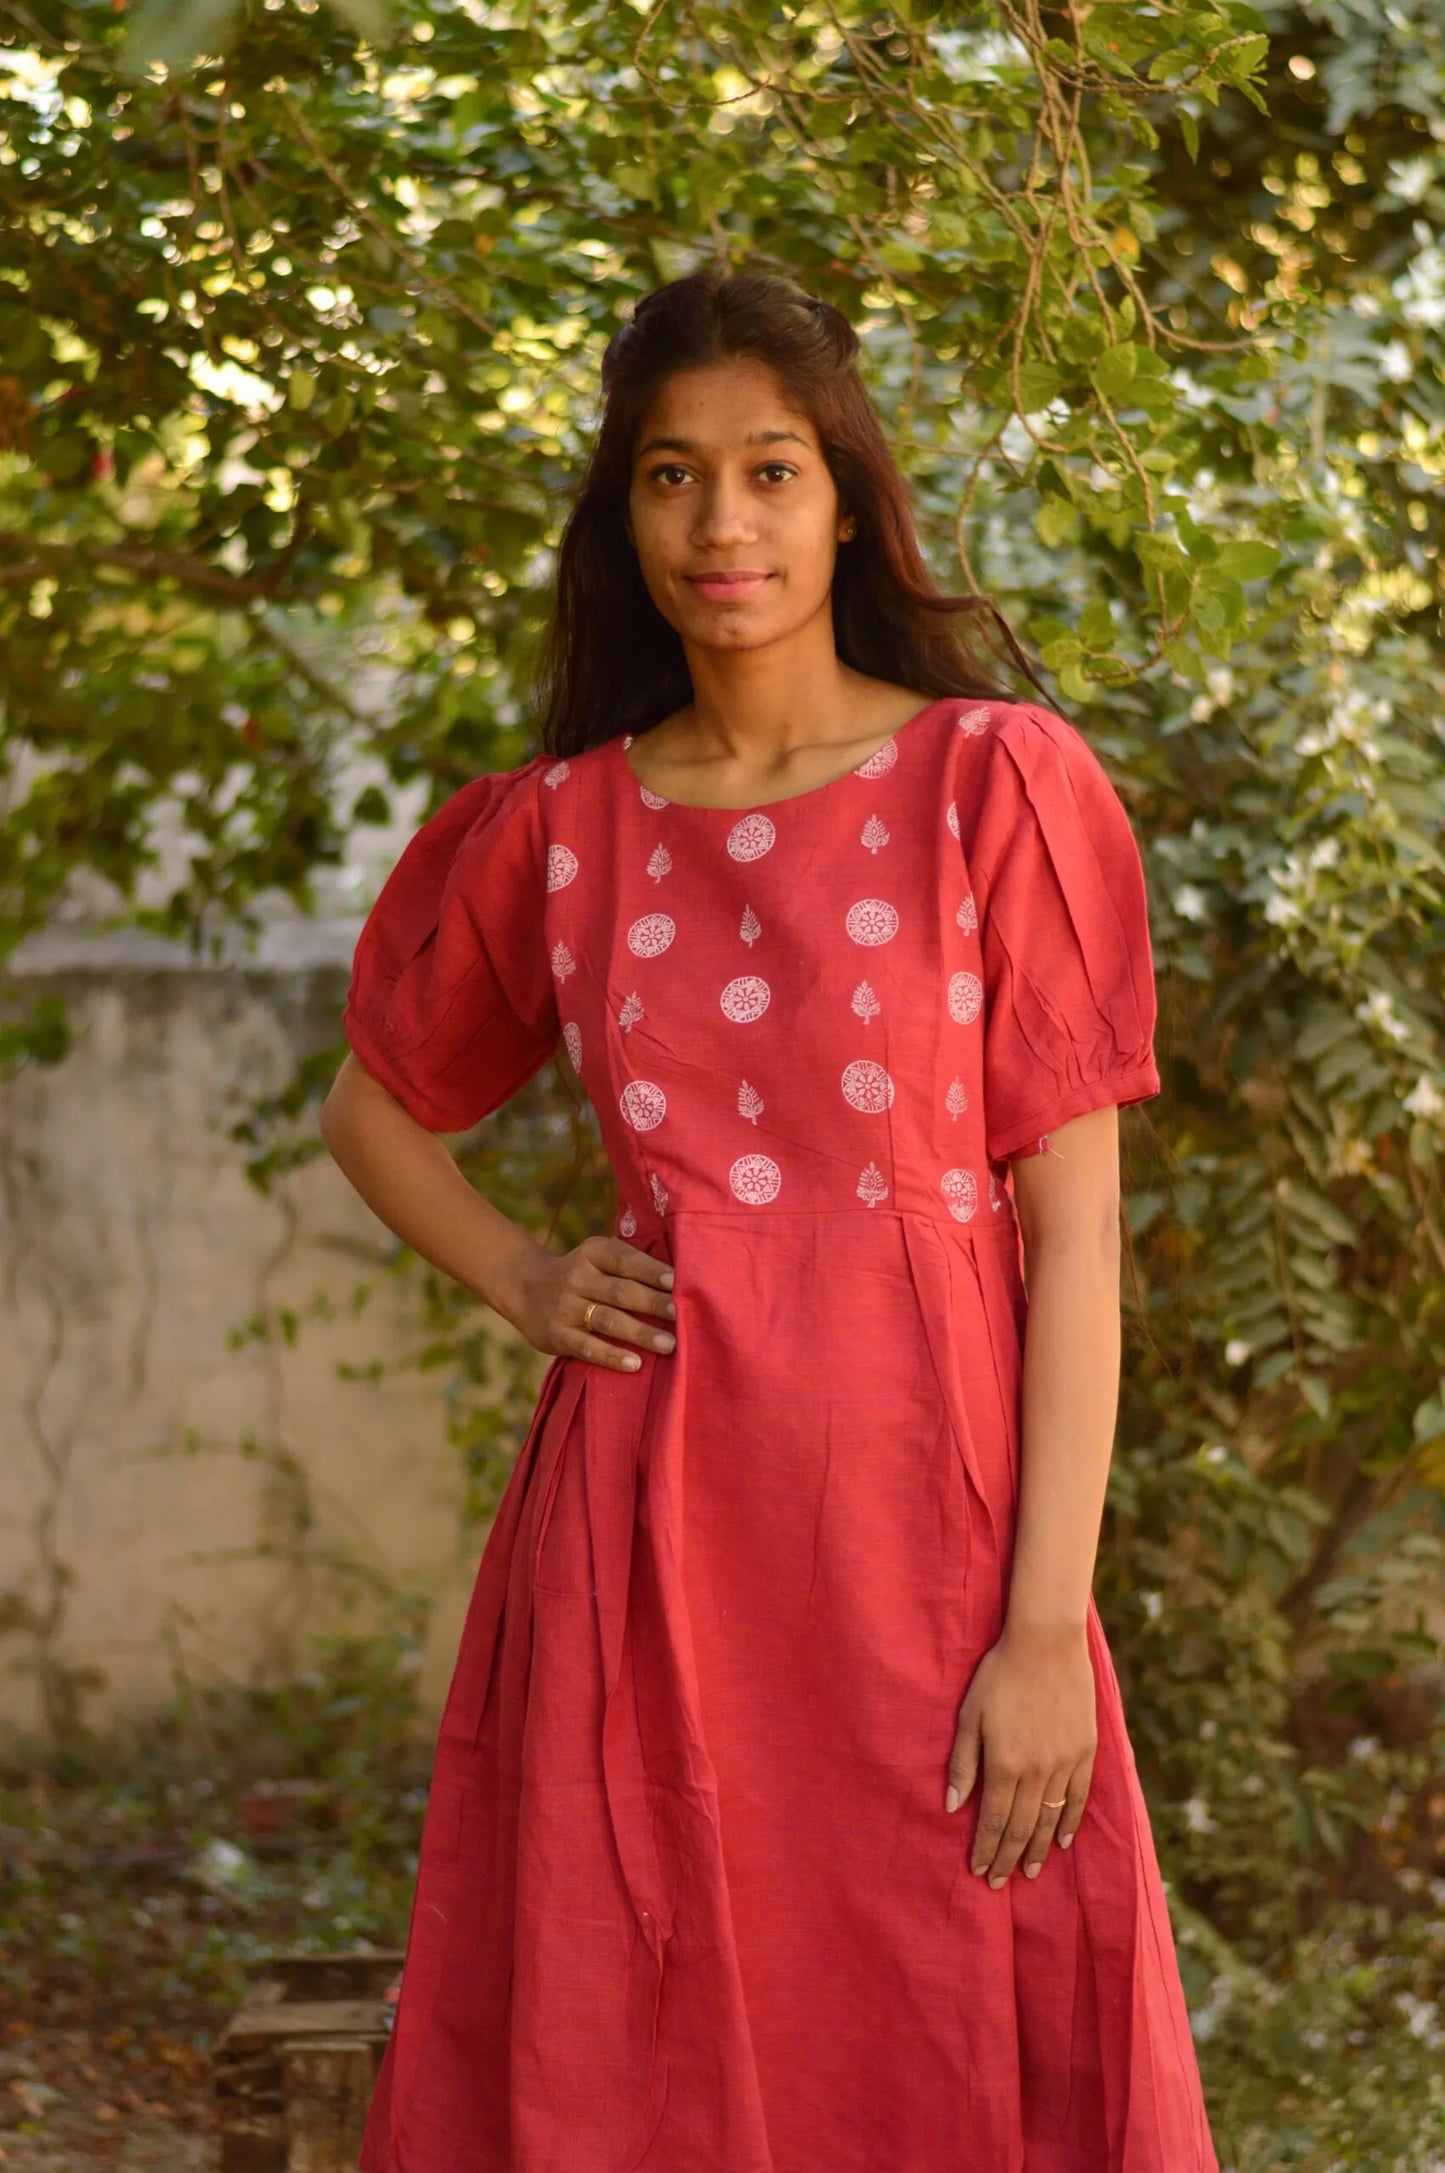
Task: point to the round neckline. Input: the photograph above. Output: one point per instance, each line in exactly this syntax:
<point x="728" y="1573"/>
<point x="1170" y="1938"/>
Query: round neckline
<point x="791" y="799"/>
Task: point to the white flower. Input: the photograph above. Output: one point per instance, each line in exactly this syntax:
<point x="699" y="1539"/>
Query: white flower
<point x="1424" y="1099"/>
<point x="1410" y="178"/>
<point x="1236" y="1350"/>
<point x="1190" y="903"/>
<point x="1396" y="365"/>
<point x="1378" y="1009"/>
<point x="1197" y="1816"/>
<point x="1152" y="1604"/>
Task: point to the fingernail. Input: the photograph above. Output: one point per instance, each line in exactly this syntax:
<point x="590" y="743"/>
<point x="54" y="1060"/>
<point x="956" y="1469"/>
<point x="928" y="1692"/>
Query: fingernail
<point x="952" y="1800"/>
<point x="664" y="1342"/>
<point x="979" y="1870"/>
<point x="631" y="1363"/>
<point x="667" y="1278"/>
<point x="1066" y="1840"/>
<point x="1031" y="1871"/>
<point x="995" y="1884"/>
<point x="670" y="1309"/>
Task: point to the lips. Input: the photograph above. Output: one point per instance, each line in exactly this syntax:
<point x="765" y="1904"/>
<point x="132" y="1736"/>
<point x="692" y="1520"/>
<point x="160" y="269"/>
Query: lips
<point x="725" y="587"/>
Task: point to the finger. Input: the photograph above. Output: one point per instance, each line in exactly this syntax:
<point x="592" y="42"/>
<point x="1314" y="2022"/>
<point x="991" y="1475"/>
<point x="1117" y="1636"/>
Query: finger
<point x="611" y="1320"/>
<point x="626" y="1292"/>
<point x="616" y="1257"/>
<point x="963" y="1762"/>
<point x="1081" y="1780"/>
<point x="1051" y="1810"/>
<point x="993" y="1818"/>
<point x="1018" y="1828"/>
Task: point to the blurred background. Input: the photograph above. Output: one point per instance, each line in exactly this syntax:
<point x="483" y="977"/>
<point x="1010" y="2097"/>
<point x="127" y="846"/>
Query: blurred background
<point x="301" y="311"/>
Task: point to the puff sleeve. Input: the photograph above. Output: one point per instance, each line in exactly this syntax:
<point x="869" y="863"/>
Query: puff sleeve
<point x="451" y="1004"/>
<point x="1068" y="970"/>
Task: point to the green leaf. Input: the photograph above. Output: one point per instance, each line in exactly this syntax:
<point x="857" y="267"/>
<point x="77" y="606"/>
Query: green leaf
<point x="1056" y="522"/>
<point x="1096" y="625"/>
<point x="1038" y="384"/>
<point x="1113" y="373"/>
<point x="1249" y="561"/>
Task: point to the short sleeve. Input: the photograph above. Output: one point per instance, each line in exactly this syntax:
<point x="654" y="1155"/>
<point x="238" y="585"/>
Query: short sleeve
<point x="1068" y="969"/>
<point x="451" y="1004"/>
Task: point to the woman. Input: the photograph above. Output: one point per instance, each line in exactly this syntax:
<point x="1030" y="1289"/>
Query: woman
<point x="783" y="1818"/>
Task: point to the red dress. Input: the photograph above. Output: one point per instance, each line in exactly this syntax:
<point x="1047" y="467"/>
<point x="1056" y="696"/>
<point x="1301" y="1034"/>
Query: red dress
<point x="688" y="1898"/>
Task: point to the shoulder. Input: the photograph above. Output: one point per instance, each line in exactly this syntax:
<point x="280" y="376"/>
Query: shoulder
<point x="1021" y="755"/>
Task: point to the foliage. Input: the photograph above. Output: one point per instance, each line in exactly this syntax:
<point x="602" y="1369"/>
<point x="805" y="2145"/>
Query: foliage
<point x="301" y="351"/>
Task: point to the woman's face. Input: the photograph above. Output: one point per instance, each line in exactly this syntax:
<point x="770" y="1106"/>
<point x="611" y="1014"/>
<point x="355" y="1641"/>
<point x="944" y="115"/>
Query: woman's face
<point x="727" y="479"/>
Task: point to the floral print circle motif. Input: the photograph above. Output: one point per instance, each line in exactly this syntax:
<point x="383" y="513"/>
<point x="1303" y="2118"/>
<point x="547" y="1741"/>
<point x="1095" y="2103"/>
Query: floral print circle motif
<point x="755" y="1178"/>
<point x="880" y="762"/>
<point x="960" y="1188"/>
<point x="871" y="920"/>
<point x="650" y="936"/>
<point x="867" y="1086"/>
<point x="751" y="838"/>
<point x="572" y="1035"/>
<point x="561" y="866"/>
<point x="746" y="998"/>
<point x="965" y="997"/>
<point x="643" y="1104"/>
<point x="652" y="799"/>
<point x="952" y="817"/>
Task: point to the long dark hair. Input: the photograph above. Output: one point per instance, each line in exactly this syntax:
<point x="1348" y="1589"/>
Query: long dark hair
<point x="611" y="663"/>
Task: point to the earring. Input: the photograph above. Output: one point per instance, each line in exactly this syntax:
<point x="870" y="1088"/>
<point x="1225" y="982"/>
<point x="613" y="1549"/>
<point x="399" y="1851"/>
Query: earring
<point x="848" y="533"/>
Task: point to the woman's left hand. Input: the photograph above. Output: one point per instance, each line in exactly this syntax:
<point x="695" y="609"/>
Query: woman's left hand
<point x="1028" y="1719"/>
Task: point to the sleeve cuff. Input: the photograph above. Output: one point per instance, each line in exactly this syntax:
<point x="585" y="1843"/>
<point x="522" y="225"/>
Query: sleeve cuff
<point x="1117" y="1090"/>
<point x="431" y="1115"/>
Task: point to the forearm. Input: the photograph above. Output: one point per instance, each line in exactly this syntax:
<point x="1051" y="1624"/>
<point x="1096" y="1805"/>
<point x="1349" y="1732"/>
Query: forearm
<point x="408" y="1179"/>
<point x="1069" y="1411"/>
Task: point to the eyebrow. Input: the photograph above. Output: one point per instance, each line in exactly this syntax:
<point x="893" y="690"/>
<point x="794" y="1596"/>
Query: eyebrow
<point x="688" y="445"/>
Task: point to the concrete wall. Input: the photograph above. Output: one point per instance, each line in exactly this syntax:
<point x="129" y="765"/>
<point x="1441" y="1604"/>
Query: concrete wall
<point x="171" y="1505"/>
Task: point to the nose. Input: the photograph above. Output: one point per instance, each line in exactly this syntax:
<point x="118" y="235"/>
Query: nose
<point x="722" y="521"/>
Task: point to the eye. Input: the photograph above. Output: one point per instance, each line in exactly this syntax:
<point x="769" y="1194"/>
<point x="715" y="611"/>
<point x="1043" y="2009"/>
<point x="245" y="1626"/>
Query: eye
<point x="778" y="466"/>
<point x="669" y="467"/>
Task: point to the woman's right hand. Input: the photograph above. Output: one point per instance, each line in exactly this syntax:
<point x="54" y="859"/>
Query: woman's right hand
<point x="550" y="1295"/>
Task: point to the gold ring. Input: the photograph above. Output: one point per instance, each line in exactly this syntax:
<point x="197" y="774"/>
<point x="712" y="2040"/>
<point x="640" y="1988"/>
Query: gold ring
<point x="1055" y="1806"/>
<point x="587" y="1316"/>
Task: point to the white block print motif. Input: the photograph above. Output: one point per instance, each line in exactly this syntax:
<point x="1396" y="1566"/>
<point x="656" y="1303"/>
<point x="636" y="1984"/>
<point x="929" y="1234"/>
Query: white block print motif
<point x="643" y="1104"/>
<point x="561" y="866"/>
<point x="974" y="722"/>
<point x="965" y="997"/>
<point x="572" y="1035"/>
<point x="967" y="914"/>
<point x="871" y="920"/>
<point x="960" y="1188"/>
<point x="650" y="936"/>
<point x="755" y="1178"/>
<point x="871" y="1185"/>
<point x="867" y="1086"/>
<point x="751" y="838"/>
<point x="745" y="998"/>
<point x="879" y="764"/>
<point x="626" y="1223"/>
<point x="873" y="834"/>
<point x="556" y="774"/>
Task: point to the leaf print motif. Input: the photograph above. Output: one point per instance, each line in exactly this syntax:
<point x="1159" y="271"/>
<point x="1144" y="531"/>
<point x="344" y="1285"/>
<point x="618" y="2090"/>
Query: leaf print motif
<point x="755" y="1178"/>
<point x="750" y="1102"/>
<point x="643" y="1104"/>
<point x="967" y="914"/>
<point x="628" y="738"/>
<point x="867" y="1086"/>
<point x="951" y="817"/>
<point x="750" y="927"/>
<point x="960" y="1188"/>
<point x="563" y="962"/>
<point x="630" y="1013"/>
<point x="561" y="866"/>
<point x="880" y="762"/>
<point x="865" y="1003"/>
<point x="871" y="920"/>
<point x="974" y="721"/>
<point x="995" y="1198"/>
<point x="659" y="1192"/>
<point x="659" y="863"/>
<point x="871" y="1186"/>
<point x="650" y="936"/>
<point x="626" y="1223"/>
<point x="965" y="997"/>
<point x="745" y="999"/>
<point x="873" y="834"/>
<point x="955" y="1101"/>
<point x="652" y="799"/>
<point x="751" y="838"/>
<point x="555" y="775"/>
<point x="572" y="1035"/>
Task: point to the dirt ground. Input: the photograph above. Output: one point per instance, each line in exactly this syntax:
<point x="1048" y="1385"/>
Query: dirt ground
<point x="79" y="2102"/>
